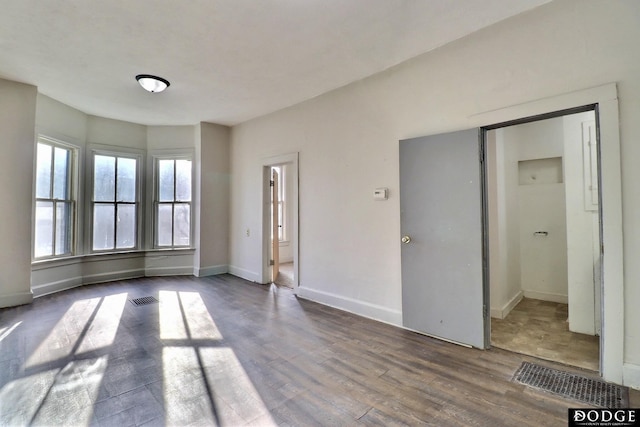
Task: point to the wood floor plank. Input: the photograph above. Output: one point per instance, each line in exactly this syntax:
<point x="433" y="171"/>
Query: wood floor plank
<point x="246" y="354"/>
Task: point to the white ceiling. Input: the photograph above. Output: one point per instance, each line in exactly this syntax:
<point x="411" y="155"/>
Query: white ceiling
<point x="227" y="60"/>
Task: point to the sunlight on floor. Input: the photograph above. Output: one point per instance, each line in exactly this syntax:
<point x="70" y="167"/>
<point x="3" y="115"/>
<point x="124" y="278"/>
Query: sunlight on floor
<point x="230" y="383"/>
<point x="199" y="323"/>
<point x="171" y="323"/>
<point x="104" y="326"/>
<point x="198" y="376"/>
<point x="6" y="331"/>
<point x="38" y="398"/>
<point x="56" y="344"/>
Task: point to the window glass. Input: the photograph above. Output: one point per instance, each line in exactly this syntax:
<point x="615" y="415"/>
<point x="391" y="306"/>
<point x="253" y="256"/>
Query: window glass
<point x="165" y="180"/>
<point x="44" y="229"/>
<point x="61" y="163"/>
<point x="63" y="227"/>
<point x="126" y="230"/>
<point x="103" y="226"/>
<point x="165" y="225"/>
<point x="181" y="224"/>
<point x="183" y="180"/>
<point x="43" y="171"/>
<point x="104" y="182"/>
<point x="126" y="180"/>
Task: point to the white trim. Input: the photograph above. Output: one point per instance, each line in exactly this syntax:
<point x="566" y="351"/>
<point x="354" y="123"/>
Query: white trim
<point x="57" y="286"/>
<point x="501" y="313"/>
<point x="606" y="98"/>
<point x="361" y="308"/>
<point x="169" y="271"/>
<point x="113" y="276"/>
<point x="547" y="296"/>
<point x="631" y="375"/>
<point x="251" y="276"/>
<point x="212" y="270"/>
<point x="12" y="300"/>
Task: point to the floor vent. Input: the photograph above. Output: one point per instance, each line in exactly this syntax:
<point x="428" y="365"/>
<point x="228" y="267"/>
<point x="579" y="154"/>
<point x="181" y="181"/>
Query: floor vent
<point x="583" y="389"/>
<point x="143" y="301"/>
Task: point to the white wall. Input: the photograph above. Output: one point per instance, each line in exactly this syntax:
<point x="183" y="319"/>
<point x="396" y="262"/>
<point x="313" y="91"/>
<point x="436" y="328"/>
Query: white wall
<point x="582" y="232"/>
<point x="348" y="145"/>
<point x="212" y="199"/>
<point x="504" y="224"/>
<point x="543" y="259"/>
<point x="17" y="133"/>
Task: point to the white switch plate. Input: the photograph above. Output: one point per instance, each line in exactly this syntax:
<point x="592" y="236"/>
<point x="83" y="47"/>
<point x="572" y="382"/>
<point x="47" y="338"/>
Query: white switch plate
<point x="381" y="193"/>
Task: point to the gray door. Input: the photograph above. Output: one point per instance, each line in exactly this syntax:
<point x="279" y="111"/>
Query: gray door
<point x="442" y="237"/>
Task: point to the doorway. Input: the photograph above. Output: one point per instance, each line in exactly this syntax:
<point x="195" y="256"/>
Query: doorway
<point x="603" y="99"/>
<point x="281" y="249"/>
<point x="544" y="238"/>
<point x="280" y="221"/>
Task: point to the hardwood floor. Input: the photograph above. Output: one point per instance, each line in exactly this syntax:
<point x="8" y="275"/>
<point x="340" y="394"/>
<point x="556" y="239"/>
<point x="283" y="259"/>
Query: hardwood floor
<point x="223" y="351"/>
<point x="540" y="328"/>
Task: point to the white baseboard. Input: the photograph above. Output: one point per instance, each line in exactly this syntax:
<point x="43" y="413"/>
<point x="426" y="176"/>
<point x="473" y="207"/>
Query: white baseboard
<point x="544" y="296"/>
<point x="113" y="276"/>
<point x="20" y="298"/>
<point x="168" y="271"/>
<point x="244" y="274"/>
<point x="361" y="308"/>
<point x="631" y="375"/>
<point x="210" y="271"/>
<point x="502" y="312"/>
<point x="57" y="286"/>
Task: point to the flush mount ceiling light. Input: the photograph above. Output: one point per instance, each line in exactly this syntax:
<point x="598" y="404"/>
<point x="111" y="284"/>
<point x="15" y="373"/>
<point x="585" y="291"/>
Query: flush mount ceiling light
<point x="152" y="83"/>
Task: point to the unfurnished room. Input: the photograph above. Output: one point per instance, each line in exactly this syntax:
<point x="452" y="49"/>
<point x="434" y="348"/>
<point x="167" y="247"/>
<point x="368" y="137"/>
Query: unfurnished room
<point x="336" y="212"/>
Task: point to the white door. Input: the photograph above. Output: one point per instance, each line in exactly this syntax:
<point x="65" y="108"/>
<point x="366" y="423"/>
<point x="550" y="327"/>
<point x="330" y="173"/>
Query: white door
<point x="442" y="237"/>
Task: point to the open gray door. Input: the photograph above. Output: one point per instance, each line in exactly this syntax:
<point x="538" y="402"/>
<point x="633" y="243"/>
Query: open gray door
<point x="442" y="237"/>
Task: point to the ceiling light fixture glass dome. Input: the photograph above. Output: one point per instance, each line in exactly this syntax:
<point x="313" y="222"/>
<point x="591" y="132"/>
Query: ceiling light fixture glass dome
<point x="152" y="83"/>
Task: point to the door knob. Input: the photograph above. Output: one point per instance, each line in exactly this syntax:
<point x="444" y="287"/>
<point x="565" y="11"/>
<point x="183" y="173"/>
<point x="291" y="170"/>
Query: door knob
<point x="406" y="239"/>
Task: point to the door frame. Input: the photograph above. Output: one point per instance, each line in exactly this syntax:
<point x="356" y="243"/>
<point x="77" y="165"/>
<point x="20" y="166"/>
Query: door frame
<point x="290" y="160"/>
<point x="604" y="100"/>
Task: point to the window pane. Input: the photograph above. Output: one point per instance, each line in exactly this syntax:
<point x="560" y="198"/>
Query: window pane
<point x="126" y="226"/>
<point x="165" y="180"/>
<point x="182" y="224"/>
<point x="43" y="171"/>
<point x="44" y="229"/>
<point x="164" y="225"/>
<point x="103" y="224"/>
<point x="183" y="180"/>
<point x="126" y="180"/>
<point x="63" y="228"/>
<point x="104" y="184"/>
<point x="61" y="163"/>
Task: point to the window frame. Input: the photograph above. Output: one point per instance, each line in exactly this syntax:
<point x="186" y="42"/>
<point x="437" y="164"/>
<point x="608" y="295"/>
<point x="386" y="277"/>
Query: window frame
<point x="72" y="182"/>
<point x="155" y="199"/>
<point x="117" y="152"/>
